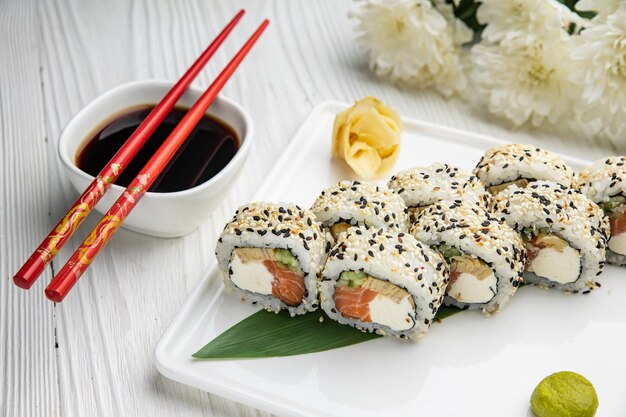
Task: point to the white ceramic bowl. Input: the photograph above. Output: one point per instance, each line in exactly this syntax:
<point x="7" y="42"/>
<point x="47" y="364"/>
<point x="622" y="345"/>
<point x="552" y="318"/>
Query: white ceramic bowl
<point x="157" y="214"/>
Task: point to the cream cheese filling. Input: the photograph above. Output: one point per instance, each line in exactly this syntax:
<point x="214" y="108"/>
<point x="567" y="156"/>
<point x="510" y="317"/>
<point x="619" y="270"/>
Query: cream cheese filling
<point x="617" y="244"/>
<point x="386" y="311"/>
<point x="561" y="266"/>
<point x="251" y="276"/>
<point x="468" y="288"/>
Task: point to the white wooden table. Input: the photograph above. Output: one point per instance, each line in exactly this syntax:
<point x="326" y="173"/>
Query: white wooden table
<point x="93" y="354"/>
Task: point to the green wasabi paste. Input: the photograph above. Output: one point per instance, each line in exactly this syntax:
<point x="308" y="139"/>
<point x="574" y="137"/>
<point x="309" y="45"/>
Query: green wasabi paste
<point x="564" y="394"/>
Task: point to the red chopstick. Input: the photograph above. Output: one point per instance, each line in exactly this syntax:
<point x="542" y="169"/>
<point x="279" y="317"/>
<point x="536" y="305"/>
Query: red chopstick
<point x="46" y="251"/>
<point x="93" y="244"/>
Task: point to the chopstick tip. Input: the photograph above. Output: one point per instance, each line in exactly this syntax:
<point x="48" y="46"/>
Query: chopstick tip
<point x="22" y="282"/>
<point x="54" y="296"/>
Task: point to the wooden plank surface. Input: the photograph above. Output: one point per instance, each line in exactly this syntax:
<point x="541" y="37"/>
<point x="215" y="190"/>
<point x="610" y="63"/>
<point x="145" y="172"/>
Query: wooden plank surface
<point x="92" y="354"/>
<point x="28" y="374"/>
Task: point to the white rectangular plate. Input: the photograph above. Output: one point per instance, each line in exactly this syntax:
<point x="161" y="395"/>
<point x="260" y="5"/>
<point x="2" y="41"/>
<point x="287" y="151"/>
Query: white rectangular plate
<point x="466" y="366"/>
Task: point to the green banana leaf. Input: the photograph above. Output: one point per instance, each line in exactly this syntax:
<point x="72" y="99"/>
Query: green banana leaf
<point x="266" y="335"/>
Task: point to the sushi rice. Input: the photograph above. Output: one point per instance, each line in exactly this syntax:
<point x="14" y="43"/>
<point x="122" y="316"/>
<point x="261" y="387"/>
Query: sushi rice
<point x="605" y="183"/>
<point x="572" y="233"/>
<point x="272" y="230"/>
<point x="422" y="186"/>
<point x="393" y="260"/>
<point x="487" y="256"/>
<point x="521" y="164"/>
<point x="355" y="203"/>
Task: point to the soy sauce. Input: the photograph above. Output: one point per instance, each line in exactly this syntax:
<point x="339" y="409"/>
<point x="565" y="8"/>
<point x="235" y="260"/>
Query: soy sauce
<point x="209" y="147"/>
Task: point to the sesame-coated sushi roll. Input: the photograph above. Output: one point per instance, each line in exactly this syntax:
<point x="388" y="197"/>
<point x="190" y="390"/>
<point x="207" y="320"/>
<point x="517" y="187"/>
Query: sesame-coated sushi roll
<point x="384" y="282"/>
<point x="605" y="184"/>
<point x="486" y="256"/>
<point x="422" y="186"/>
<point x="564" y="232"/>
<point x="518" y="164"/>
<point x="271" y="255"/>
<point x="354" y="203"/>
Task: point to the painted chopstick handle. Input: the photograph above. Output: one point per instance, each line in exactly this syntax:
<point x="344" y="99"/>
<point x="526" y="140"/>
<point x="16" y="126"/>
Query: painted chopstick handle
<point x="60" y="234"/>
<point x="110" y="223"/>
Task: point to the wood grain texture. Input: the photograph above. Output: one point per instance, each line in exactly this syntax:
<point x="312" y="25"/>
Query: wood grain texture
<point x="28" y="375"/>
<point x="57" y="56"/>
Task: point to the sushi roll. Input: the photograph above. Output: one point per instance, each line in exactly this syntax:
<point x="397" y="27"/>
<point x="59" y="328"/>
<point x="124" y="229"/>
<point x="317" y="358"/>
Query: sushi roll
<point x="354" y="203"/>
<point x="564" y="232"/>
<point x="384" y="282"/>
<point x="271" y="254"/>
<point x="486" y="256"/>
<point x="517" y="164"/>
<point x="605" y="184"/>
<point x="422" y="186"/>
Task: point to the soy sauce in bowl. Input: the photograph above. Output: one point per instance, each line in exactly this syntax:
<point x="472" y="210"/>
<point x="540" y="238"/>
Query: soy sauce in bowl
<point x="208" y="149"/>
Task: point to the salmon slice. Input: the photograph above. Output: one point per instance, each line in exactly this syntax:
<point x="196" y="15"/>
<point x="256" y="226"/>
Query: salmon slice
<point x="354" y="303"/>
<point x="454" y="275"/>
<point x="618" y="224"/>
<point x="287" y="286"/>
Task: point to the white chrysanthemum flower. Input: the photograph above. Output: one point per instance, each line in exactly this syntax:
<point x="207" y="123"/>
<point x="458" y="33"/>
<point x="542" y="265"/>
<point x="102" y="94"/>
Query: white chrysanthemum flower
<point x="600" y="62"/>
<point x="525" y="83"/>
<point x="410" y="42"/>
<point x="461" y="34"/>
<point x="525" y="20"/>
<point x="603" y="8"/>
